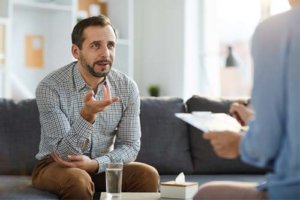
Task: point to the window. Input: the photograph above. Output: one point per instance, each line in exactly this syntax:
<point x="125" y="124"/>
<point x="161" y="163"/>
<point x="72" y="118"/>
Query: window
<point x="232" y="23"/>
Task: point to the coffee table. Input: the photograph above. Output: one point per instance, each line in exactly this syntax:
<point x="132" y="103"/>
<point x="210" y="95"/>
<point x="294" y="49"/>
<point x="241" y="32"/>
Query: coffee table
<point x="135" y="196"/>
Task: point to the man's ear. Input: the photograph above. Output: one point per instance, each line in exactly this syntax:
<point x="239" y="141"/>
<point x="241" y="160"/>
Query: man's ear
<point x="75" y="51"/>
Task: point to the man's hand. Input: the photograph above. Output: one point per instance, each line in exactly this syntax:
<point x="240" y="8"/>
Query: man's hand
<point x="92" y="106"/>
<point x="226" y="144"/>
<point x="77" y="161"/>
<point x="241" y="112"/>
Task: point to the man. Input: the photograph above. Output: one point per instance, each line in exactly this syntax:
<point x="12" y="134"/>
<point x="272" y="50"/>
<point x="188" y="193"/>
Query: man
<point x="273" y="138"/>
<point x="83" y="126"/>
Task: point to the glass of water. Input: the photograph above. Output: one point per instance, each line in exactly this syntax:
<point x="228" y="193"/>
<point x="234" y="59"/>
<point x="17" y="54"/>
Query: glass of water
<point x="113" y="175"/>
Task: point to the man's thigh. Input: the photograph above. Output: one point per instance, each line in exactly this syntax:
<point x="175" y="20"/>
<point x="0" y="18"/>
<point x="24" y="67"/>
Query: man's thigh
<point x="50" y="176"/>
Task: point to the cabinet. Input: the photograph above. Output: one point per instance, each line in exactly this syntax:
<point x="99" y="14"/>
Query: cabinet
<point x="36" y="41"/>
<point x="41" y="40"/>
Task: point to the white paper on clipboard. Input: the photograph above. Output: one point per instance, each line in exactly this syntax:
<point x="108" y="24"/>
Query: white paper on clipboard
<point x="207" y="121"/>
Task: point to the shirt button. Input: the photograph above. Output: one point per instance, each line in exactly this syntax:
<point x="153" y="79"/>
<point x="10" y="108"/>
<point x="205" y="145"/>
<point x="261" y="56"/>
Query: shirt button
<point x="85" y="143"/>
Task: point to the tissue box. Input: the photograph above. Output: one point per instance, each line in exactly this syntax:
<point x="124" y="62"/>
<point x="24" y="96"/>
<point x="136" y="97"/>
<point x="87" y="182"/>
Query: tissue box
<point x="172" y="189"/>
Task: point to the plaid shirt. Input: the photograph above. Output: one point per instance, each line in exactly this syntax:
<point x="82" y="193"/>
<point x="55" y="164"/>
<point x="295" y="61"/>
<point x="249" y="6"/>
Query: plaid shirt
<point x="114" y="136"/>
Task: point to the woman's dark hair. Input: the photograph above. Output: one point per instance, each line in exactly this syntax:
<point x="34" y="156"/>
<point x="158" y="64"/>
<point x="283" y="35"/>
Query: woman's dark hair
<point x="77" y="33"/>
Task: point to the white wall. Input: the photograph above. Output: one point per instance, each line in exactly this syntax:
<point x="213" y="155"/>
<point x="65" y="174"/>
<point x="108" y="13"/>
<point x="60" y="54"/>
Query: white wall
<point x="192" y="37"/>
<point x="159" y="45"/>
<point x="171" y="48"/>
<point x="209" y="53"/>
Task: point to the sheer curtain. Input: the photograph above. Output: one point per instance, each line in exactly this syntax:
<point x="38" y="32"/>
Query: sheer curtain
<point x="272" y="7"/>
<point x="230" y="22"/>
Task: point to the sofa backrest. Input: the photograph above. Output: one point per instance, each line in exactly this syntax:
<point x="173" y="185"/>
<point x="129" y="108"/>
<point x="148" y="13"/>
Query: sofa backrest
<point x="167" y="143"/>
<point x="165" y="139"/>
<point x="19" y="136"/>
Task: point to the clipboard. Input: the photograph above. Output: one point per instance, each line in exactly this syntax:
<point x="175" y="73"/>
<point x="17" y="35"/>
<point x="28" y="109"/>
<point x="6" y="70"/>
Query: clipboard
<point x="207" y="121"/>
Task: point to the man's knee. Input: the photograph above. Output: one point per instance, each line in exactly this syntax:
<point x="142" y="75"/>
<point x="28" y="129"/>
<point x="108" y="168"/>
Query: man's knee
<point x="150" y="174"/>
<point x="78" y="184"/>
<point x="143" y="177"/>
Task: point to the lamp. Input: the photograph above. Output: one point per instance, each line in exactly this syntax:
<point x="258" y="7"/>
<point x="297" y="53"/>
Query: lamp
<point x="231" y="60"/>
<point x="230" y="78"/>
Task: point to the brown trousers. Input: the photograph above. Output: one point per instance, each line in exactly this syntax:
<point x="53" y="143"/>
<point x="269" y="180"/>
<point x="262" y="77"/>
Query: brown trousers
<point x="75" y="183"/>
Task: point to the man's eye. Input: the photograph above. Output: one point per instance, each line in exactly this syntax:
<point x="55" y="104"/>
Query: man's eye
<point x="95" y="46"/>
<point x="111" y="45"/>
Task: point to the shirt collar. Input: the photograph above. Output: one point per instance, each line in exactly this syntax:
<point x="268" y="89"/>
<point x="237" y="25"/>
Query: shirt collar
<point x="79" y="81"/>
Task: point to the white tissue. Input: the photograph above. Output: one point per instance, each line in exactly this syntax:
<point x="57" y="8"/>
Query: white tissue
<point x="180" y="178"/>
<point x="178" y="189"/>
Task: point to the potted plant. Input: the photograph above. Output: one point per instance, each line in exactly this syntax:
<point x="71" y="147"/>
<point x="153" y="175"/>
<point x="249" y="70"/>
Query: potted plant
<point x="153" y="90"/>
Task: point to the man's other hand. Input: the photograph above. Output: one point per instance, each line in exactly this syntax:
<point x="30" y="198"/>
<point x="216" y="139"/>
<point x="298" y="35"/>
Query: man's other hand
<point x="77" y="161"/>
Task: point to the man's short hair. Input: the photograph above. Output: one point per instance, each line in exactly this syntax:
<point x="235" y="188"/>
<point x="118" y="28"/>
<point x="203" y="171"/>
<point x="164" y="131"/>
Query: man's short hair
<point x="77" y="33"/>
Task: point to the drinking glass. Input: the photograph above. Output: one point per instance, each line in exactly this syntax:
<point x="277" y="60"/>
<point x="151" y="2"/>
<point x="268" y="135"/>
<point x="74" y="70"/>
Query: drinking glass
<point x="113" y="175"/>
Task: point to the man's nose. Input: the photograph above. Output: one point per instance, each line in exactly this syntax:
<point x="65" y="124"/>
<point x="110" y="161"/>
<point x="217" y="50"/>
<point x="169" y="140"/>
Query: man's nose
<point x="104" y="52"/>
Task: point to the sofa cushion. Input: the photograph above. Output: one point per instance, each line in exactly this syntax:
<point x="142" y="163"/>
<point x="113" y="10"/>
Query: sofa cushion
<point x="19" y="187"/>
<point x="165" y="138"/>
<point x="20" y="136"/>
<point x="205" y="159"/>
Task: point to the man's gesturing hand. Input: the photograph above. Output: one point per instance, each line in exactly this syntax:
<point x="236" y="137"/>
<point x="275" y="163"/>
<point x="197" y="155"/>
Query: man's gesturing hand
<point x="92" y="106"/>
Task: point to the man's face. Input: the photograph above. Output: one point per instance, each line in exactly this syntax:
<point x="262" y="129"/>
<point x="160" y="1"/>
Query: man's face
<point x="98" y="50"/>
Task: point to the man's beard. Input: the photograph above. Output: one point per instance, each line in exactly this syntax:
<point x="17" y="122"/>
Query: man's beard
<point x="91" y="68"/>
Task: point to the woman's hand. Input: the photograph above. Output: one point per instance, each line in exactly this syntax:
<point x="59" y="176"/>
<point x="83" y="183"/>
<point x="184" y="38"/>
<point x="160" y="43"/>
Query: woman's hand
<point x="226" y="144"/>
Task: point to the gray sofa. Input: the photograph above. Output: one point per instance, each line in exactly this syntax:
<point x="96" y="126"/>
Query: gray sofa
<point x="168" y="144"/>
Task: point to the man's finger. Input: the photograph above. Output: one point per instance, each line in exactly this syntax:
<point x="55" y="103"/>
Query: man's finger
<point x="105" y="103"/>
<point x="60" y="161"/>
<point x="53" y="156"/>
<point x="88" y="96"/>
<point x="105" y="95"/>
<point x="115" y="99"/>
<point x="106" y="92"/>
<point x="75" y="157"/>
